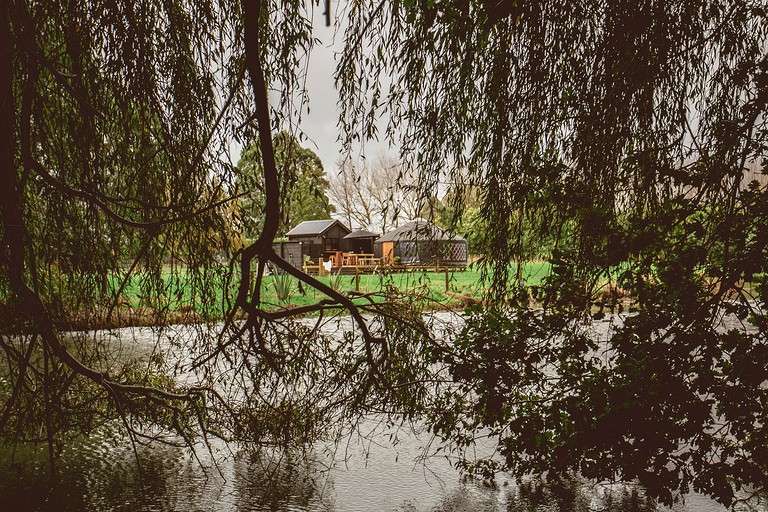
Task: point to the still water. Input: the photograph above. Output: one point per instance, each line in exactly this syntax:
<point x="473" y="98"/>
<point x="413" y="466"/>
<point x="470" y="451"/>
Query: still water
<point x="372" y="475"/>
<point x="380" y="468"/>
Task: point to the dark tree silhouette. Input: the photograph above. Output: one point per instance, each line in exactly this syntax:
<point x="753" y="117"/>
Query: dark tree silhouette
<point x="117" y="122"/>
<point x="627" y="135"/>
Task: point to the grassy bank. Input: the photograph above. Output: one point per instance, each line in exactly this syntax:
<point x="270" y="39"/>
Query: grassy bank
<point x="181" y="305"/>
<point x="459" y="287"/>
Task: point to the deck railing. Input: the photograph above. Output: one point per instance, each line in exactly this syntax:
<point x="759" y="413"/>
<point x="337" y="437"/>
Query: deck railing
<point x="348" y="262"/>
<point x="342" y="261"/>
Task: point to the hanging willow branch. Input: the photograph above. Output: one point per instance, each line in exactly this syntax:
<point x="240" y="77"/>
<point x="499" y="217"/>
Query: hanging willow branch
<point x="262" y="248"/>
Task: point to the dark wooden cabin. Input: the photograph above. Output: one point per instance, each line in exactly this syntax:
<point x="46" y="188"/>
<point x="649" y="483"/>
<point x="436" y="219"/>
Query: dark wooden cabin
<point x="319" y="238"/>
<point x="359" y="242"/>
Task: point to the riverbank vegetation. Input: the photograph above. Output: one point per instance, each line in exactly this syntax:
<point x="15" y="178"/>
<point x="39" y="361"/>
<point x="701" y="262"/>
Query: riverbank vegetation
<point x="443" y="289"/>
<point x="622" y="142"/>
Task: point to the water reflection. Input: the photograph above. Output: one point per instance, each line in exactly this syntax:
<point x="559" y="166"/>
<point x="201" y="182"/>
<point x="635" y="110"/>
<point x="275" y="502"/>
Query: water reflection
<point x="286" y="481"/>
<point x="382" y="471"/>
<point x="576" y="496"/>
<point x="96" y="475"/>
<point x="100" y="473"/>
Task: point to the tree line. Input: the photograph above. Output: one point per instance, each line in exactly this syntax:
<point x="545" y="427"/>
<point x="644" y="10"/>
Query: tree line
<point x="375" y="194"/>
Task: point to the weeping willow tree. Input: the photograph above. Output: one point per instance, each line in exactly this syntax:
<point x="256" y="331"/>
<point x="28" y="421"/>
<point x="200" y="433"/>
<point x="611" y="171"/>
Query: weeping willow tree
<point x="631" y="137"/>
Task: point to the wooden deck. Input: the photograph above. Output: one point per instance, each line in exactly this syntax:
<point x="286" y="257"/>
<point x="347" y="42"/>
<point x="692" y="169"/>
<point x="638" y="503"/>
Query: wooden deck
<point x="367" y="263"/>
<point x="321" y="270"/>
<point x="347" y="263"/>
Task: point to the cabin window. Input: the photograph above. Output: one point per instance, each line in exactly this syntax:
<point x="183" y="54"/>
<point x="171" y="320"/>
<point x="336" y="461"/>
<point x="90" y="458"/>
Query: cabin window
<point x="331" y="244"/>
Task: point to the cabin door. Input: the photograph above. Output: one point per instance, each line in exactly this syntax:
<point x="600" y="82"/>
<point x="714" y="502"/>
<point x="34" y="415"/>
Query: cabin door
<point x="387" y="252"/>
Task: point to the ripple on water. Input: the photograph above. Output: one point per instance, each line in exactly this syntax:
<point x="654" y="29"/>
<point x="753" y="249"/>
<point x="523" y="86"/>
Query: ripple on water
<point x="100" y="474"/>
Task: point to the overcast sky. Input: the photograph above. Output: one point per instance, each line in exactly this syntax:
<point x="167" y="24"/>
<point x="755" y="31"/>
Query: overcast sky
<point x="320" y="124"/>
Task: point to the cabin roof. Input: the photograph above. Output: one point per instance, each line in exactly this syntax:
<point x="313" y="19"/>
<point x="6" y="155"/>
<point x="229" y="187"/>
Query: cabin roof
<point x="314" y="227"/>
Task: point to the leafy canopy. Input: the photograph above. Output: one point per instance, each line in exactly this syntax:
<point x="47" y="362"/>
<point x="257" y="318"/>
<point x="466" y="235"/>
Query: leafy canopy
<point x="302" y="185"/>
<point x="622" y="136"/>
<point x="115" y="171"/>
<point x="625" y="141"/>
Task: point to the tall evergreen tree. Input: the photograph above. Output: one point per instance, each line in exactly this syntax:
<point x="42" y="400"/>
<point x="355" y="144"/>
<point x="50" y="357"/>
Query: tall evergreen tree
<point x="302" y="185"/>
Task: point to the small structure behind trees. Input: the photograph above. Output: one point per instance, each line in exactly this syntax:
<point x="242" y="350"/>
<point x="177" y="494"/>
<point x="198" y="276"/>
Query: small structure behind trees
<point x="418" y="243"/>
<point x="360" y="241"/>
<point x="319" y="238"/>
<point x="421" y="243"/>
<point x="290" y="251"/>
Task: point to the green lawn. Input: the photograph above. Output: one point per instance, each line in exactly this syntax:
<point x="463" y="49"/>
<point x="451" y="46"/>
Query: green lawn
<point x="467" y="283"/>
<point x="178" y="286"/>
<point x="188" y="296"/>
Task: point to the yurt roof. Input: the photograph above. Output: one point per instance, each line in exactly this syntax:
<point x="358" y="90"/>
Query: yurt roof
<point x="361" y="233"/>
<point x="418" y="230"/>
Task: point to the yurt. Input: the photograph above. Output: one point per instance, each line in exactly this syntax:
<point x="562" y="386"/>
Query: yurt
<point x="421" y="243"/>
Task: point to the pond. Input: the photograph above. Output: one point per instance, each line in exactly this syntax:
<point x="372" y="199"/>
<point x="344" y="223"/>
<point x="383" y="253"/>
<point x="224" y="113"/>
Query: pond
<point x="382" y="467"/>
<point x="383" y="471"/>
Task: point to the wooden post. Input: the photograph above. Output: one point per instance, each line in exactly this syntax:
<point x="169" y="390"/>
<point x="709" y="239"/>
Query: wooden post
<point x="322" y="268"/>
<point x="357" y="279"/>
<point x="446" y="279"/>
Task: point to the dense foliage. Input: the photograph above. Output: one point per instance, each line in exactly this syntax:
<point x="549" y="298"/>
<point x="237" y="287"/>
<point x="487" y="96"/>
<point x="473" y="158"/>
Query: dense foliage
<point x="629" y="137"/>
<point x="114" y="165"/>
<point x="115" y="171"/>
<point x="302" y="186"/>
